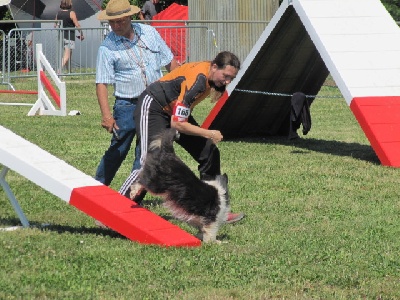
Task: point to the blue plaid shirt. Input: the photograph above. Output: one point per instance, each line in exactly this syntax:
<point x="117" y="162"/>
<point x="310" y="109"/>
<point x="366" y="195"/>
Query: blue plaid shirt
<point x="118" y="60"/>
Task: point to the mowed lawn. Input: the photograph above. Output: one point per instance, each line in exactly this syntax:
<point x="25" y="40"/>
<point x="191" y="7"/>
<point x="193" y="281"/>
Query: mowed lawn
<point x="322" y="217"/>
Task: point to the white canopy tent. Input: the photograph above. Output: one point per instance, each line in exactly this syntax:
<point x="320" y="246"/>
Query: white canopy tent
<point x="4" y="2"/>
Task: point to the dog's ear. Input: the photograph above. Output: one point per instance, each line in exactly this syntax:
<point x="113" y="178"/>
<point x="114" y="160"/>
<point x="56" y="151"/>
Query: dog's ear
<point x="223" y="181"/>
<point x="225" y="177"/>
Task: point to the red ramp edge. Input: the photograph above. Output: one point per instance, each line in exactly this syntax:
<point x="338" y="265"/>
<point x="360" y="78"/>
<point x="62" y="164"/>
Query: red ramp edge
<point x="379" y="117"/>
<point x="215" y="110"/>
<point x="128" y="218"/>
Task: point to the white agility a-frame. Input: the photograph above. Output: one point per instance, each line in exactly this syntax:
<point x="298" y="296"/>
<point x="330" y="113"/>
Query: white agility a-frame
<point x="356" y="41"/>
<point x="360" y="44"/>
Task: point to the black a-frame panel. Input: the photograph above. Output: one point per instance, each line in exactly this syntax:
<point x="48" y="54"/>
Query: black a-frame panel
<point x="287" y="62"/>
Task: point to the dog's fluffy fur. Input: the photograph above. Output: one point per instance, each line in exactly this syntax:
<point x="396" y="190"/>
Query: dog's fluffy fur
<point x="202" y="204"/>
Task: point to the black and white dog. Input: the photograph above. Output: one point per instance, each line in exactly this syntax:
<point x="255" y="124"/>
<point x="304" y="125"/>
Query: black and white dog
<point x="202" y="204"/>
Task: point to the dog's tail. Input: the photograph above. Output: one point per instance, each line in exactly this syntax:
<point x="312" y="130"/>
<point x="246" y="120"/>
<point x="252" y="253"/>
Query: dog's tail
<point x="165" y="140"/>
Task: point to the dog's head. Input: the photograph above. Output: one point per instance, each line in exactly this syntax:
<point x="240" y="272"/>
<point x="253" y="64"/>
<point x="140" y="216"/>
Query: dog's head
<point x="222" y="180"/>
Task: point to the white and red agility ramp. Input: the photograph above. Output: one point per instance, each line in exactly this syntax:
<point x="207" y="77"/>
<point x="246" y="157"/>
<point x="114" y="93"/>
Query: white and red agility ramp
<point x="356" y="41"/>
<point x="85" y="193"/>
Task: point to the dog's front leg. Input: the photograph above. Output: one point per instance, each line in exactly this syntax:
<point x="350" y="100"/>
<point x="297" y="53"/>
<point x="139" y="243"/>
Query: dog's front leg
<point x="209" y="233"/>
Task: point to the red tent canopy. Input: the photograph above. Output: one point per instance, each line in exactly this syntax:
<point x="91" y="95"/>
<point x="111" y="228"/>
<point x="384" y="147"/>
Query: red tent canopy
<point x="174" y="37"/>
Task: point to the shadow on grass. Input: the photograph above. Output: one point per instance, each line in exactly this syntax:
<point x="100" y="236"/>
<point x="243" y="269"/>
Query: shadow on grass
<point x="82" y="230"/>
<point x="338" y="148"/>
<point x="15" y="223"/>
<point x="11" y="222"/>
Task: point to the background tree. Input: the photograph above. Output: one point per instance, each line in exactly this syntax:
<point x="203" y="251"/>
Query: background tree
<point x="6" y="15"/>
<point x="393" y="7"/>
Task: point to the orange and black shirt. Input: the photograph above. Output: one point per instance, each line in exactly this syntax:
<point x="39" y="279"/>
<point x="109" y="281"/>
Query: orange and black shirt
<point x="185" y="86"/>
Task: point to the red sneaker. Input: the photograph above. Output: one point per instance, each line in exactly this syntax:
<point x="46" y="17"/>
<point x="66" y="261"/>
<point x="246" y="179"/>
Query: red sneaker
<point x="233" y="218"/>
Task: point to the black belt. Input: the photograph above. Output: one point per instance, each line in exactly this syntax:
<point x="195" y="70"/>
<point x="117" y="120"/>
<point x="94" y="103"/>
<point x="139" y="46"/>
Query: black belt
<point x="132" y="100"/>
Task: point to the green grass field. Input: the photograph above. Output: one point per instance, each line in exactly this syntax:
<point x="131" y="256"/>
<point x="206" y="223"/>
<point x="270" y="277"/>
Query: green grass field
<point x="322" y="218"/>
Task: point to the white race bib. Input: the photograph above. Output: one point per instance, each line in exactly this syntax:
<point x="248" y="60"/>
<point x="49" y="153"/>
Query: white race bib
<point x="181" y="113"/>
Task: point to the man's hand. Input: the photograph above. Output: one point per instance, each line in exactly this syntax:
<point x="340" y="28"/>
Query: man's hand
<point x="108" y="124"/>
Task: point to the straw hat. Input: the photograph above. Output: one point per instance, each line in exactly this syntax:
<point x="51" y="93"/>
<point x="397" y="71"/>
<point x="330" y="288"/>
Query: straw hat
<point x="116" y="9"/>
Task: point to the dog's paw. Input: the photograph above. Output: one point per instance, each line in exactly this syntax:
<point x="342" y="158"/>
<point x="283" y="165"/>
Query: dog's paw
<point x="219" y="242"/>
<point x="136" y="188"/>
<point x="208" y="240"/>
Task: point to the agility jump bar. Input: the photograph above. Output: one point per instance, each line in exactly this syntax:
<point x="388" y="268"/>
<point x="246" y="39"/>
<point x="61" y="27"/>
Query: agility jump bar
<point x="18" y="92"/>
